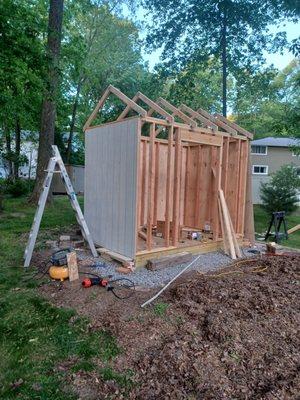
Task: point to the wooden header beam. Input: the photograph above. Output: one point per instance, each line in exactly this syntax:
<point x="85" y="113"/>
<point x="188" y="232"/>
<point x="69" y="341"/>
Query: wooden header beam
<point x="235" y="126"/>
<point x="121" y="96"/>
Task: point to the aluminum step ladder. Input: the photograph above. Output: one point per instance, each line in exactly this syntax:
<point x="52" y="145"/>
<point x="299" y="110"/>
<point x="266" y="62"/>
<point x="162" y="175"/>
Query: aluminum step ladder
<point x="53" y="162"/>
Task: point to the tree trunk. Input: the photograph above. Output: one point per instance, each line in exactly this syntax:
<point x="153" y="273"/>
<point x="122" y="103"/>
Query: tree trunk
<point x="8" y="152"/>
<point x="72" y="123"/>
<point x="17" y="149"/>
<point x="46" y="137"/>
<point x="224" y="60"/>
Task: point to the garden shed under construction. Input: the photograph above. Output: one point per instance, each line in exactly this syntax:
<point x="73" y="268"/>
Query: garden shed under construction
<point x="162" y="179"/>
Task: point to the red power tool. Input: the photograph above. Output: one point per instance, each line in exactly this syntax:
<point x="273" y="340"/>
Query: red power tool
<point x="88" y="282"/>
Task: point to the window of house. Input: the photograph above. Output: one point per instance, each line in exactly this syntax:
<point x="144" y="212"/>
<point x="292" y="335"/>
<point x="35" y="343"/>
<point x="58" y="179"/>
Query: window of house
<point x="260" y="169"/>
<point x="261" y="150"/>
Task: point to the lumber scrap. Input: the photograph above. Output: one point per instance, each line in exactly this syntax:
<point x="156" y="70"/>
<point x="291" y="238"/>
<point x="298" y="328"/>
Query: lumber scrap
<point x="168" y="261"/>
<point x="294" y="229"/>
<point x="115" y="256"/>
<point x="72" y="266"/>
<point x="229" y="233"/>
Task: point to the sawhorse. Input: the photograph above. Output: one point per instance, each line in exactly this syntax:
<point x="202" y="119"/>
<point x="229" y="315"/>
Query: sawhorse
<point x="277" y="219"/>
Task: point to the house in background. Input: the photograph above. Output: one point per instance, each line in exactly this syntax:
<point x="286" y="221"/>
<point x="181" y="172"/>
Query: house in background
<point x="267" y="156"/>
<point x="27" y="170"/>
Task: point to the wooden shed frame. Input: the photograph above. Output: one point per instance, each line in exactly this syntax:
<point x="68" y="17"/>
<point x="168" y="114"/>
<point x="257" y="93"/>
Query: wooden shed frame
<point x="177" y="178"/>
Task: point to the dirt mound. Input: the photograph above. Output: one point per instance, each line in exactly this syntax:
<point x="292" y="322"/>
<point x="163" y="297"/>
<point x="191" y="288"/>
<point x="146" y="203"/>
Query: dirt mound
<point x="239" y="337"/>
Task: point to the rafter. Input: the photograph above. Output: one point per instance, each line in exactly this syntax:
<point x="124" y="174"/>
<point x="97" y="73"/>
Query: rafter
<point x="218" y="122"/>
<point x="111" y="89"/>
<point x="235" y="126"/>
<point x="153" y="107"/>
<point x="198" y="116"/>
<point x="177" y="112"/>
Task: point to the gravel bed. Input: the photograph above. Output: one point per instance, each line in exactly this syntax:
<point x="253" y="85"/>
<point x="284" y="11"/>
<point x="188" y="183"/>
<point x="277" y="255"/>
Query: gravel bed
<point x="145" y="278"/>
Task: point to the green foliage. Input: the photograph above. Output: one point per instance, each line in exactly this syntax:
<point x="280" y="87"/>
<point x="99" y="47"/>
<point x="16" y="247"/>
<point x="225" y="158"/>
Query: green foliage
<point x="18" y="187"/>
<point x="280" y="194"/>
<point x="267" y="103"/>
<point x="236" y="32"/>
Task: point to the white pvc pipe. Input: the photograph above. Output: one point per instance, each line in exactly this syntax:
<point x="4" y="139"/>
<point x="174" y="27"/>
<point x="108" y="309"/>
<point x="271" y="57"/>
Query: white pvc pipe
<point x="169" y="283"/>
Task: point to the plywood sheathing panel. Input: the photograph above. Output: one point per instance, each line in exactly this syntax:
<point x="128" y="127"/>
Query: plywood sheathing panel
<point x="111" y="185"/>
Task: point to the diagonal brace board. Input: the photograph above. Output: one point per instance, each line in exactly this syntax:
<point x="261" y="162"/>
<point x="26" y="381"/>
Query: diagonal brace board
<point x="56" y="160"/>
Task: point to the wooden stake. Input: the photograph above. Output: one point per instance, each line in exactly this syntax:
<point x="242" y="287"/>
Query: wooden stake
<point x="227" y="226"/>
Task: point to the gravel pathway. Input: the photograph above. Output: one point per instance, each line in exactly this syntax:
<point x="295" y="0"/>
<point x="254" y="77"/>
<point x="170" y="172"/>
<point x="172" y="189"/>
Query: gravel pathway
<point x="145" y="278"/>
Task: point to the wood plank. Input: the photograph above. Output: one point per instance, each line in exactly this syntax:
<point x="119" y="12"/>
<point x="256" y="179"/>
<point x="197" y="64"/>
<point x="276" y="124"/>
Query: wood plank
<point x="249" y="231"/>
<point x="127" y="109"/>
<point x="112" y="254"/>
<point x="156" y="183"/>
<point x="72" y="266"/>
<point x="227" y="226"/>
<point x="237" y="191"/>
<point x="168" y="187"/>
<point x="96" y="109"/>
<point x="224" y="236"/>
<point x="225" y="165"/>
<point x="177" y="112"/>
<point x="168" y="261"/>
<point x="155" y="107"/>
<point x="201" y="138"/>
<point x="218" y="122"/>
<point x="235" y="126"/>
<point x="199" y="117"/>
<point x="198" y="186"/>
<point x="177" y="183"/>
<point x="294" y="229"/>
<point x="127" y="101"/>
<point x="151" y="186"/>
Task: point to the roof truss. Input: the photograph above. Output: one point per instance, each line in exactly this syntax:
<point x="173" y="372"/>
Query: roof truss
<point x="111" y="89"/>
<point x="163" y="108"/>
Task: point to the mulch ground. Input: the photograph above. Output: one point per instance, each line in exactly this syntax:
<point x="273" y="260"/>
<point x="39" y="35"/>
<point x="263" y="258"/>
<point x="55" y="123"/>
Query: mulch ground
<point x="230" y="335"/>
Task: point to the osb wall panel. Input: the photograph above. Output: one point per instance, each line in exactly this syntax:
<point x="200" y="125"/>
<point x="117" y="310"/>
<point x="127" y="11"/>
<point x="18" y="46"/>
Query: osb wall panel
<point x="111" y="159"/>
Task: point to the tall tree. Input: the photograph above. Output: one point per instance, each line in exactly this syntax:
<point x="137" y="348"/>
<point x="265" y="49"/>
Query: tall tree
<point x="268" y="102"/>
<point x="21" y="74"/>
<point x="46" y="137"/>
<point x="234" y="31"/>
<point x="102" y="47"/>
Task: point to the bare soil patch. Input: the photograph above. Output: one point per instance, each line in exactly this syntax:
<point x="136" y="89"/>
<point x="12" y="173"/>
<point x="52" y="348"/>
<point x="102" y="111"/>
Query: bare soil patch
<point x="229" y="335"/>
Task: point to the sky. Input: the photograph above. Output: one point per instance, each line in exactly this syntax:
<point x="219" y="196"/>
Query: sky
<point x="278" y="60"/>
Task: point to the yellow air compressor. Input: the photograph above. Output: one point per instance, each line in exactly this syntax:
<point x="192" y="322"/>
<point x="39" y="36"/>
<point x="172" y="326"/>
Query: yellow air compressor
<point x="59" y="269"/>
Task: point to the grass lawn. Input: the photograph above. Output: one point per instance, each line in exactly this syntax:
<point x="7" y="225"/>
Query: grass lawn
<point x="36" y="337"/>
<point x="262" y="220"/>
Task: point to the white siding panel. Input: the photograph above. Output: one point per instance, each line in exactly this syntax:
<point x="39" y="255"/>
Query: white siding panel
<point x="111" y="185"/>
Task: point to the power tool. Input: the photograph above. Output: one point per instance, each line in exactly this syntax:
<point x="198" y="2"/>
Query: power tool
<point x="88" y="282"/>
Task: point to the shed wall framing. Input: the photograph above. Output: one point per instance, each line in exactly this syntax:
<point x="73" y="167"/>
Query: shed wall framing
<point x="138" y="183"/>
